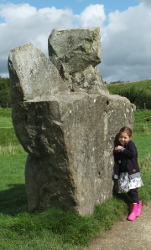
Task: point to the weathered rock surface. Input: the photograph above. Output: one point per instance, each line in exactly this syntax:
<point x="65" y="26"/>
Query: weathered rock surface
<point x="66" y="120"/>
<point x="76" y="58"/>
<point x="74" y="50"/>
<point x="32" y="75"/>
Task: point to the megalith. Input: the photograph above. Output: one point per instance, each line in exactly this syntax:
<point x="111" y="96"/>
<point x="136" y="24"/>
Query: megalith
<point x="66" y="120"/>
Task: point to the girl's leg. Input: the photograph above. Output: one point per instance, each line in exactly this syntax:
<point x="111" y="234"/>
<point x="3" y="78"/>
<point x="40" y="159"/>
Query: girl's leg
<point x="133" y="194"/>
<point x="139" y="209"/>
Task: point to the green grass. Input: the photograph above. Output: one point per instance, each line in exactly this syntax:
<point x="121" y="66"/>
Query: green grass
<point x="5" y="112"/>
<point x="13" y="195"/>
<point x="7" y="135"/>
<point x="138" y="93"/>
<point x="5" y="115"/>
<point x="142" y="132"/>
<point x="8" y="140"/>
<point x="54" y="228"/>
<point x="144" y="84"/>
<point x="142" y="121"/>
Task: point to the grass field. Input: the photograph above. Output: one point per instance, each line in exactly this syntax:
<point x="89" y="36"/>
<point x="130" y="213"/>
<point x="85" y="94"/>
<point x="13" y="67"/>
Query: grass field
<point x="144" y="84"/>
<point x="56" y="229"/>
<point x="138" y="93"/>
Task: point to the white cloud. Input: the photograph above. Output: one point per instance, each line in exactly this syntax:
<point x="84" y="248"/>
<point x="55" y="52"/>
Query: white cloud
<point x="126" y="45"/>
<point x="125" y="36"/>
<point x="146" y="2"/>
<point x="13" y="13"/>
<point x="24" y="24"/>
<point x="93" y="15"/>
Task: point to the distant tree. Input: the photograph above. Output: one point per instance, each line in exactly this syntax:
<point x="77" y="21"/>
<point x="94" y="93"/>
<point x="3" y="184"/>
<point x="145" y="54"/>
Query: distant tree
<point x="5" y="100"/>
<point x="137" y="95"/>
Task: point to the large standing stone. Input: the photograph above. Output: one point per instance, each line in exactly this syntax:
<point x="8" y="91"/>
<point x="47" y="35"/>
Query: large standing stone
<point x="68" y="135"/>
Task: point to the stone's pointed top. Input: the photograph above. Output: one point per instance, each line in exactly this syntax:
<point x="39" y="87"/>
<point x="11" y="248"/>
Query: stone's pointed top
<point x="75" y="29"/>
<point x="27" y="45"/>
<point x="75" y="49"/>
<point x="32" y="74"/>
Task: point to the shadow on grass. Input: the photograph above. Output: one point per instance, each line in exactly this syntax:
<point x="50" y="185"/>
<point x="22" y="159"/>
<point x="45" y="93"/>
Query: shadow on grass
<point x="123" y="196"/>
<point x="13" y="200"/>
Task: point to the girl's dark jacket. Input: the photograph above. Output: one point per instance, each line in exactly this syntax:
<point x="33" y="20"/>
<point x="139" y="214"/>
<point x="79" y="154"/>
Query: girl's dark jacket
<point x="126" y="161"/>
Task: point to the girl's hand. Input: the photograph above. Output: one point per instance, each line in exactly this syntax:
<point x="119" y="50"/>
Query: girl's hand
<point x="118" y="148"/>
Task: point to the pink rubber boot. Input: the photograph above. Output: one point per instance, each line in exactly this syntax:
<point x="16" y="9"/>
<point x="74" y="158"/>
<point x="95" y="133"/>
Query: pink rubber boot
<point x="133" y="213"/>
<point x="139" y="209"/>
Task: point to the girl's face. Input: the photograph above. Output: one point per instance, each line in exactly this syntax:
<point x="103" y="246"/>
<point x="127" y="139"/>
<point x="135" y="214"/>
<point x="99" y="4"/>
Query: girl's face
<point x="123" y="138"/>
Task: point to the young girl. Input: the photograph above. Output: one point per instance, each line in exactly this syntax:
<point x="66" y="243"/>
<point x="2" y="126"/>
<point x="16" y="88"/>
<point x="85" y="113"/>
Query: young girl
<point x="126" y="170"/>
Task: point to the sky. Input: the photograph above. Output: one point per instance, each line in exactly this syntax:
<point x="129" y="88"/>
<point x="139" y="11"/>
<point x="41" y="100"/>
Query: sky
<point x="125" y="31"/>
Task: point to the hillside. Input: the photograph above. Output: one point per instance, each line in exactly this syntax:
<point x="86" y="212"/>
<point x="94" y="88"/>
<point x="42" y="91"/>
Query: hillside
<point x="138" y="92"/>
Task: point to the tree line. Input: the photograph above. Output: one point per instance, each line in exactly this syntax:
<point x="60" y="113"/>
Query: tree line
<point x="5" y="100"/>
<point x="138" y="93"/>
<point x="140" y="96"/>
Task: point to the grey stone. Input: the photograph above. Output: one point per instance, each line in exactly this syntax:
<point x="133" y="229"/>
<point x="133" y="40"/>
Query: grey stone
<point x="69" y="135"/>
<point x="76" y="58"/>
<point x="73" y="50"/>
<point x="32" y="75"/>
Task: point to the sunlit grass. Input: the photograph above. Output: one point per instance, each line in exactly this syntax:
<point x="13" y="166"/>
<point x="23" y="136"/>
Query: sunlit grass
<point x="57" y="229"/>
<point x="11" y="149"/>
<point x="144" y="84"/>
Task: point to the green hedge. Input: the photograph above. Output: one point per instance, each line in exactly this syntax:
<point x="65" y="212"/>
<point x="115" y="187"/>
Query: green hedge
<point x="5" y="100"/>
<point x="138" y="93"/>
<point x="139" y="97"/>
